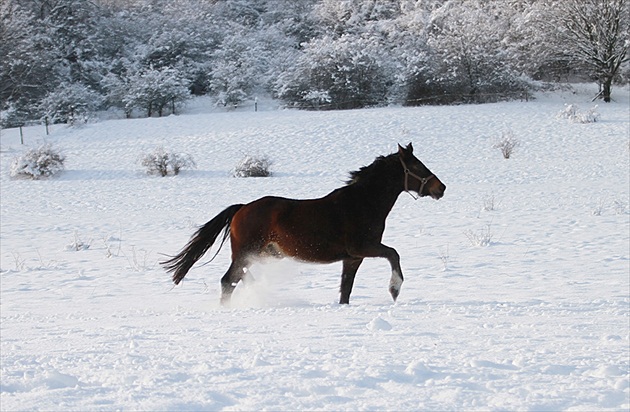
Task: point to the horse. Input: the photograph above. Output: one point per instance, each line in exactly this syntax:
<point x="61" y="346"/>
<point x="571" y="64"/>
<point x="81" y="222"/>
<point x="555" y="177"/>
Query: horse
<point x="346" y="225"/>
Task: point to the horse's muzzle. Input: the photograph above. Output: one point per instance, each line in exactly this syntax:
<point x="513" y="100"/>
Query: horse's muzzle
<point x="436" y="191"/>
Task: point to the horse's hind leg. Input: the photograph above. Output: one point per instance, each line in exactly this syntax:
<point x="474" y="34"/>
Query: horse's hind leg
<point x="234" y="274"/>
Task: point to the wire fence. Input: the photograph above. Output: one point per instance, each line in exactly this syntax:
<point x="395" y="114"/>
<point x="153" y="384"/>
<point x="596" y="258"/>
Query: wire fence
<point x="440" y="99"/>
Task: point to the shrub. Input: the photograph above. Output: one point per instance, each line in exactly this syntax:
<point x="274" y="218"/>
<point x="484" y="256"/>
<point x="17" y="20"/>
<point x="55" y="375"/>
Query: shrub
<point x="489" y="203"/>
<point x="573" y="113"/>
<point x="38" y="163"/>
<point x="482" y="237"/>
<point x="569" y="112"/>
<point x="78" y="244"/>
<point x="507" y="144"/>
<point x="162" y="162"/>
<point x="253" y="166"/>
<point x="591" y="116"/>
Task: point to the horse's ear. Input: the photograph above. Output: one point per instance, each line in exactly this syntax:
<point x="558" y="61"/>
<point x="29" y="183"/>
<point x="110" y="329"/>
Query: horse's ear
<point x="405" y="150"/>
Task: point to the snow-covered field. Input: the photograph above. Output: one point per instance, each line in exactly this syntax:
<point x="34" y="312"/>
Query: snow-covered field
<point x="517" y="290"/>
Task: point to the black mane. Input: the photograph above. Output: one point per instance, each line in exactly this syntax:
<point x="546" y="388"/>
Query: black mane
<point x="373" y="171"/>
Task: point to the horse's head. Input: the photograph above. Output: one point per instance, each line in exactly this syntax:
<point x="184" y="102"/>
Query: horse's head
<point x="417" y="176"/>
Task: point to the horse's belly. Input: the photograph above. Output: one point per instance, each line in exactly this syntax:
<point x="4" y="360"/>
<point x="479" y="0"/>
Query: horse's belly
<point x="304" y="252"/>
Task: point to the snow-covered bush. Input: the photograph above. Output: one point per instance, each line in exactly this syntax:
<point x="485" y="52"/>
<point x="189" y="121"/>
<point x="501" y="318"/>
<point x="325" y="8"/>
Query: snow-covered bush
<point x="507" y="144"/>
<point x="162" y="162"/>
<point x="482" y="237"/>
<point x="569" y="112"/>
<point x="38" y="163"/>
<point x="572" y="112"/>
<point x="253" y="166"/>
<point x="70" y="103"/>
<point x="590" y="116"/>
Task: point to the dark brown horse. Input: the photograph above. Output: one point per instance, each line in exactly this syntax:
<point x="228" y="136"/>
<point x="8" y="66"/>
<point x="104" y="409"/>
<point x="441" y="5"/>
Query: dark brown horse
<point x="346" y="225"/>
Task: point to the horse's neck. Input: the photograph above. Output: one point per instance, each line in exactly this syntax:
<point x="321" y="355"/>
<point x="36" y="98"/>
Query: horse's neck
<point x="378" y="197"/>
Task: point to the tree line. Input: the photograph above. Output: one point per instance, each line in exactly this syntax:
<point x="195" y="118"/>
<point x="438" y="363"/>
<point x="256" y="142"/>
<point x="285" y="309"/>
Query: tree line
<point x="64" y="59"/>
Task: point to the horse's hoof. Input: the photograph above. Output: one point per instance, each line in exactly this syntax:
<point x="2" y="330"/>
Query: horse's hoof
<point x="394" y="292"/>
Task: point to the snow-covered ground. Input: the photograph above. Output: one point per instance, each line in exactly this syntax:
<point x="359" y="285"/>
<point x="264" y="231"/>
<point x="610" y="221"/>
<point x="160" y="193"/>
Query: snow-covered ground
<point x="517" y="290"/>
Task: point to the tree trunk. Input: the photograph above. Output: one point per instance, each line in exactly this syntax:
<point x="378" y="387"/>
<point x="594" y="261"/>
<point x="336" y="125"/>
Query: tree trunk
<point x="606" y="87"/>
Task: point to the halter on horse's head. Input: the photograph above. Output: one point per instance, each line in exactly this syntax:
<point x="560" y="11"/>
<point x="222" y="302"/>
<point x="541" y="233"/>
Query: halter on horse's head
<point x="422" y="180"/>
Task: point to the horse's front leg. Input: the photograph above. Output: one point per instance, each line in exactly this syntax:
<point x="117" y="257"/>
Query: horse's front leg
<point x="392" y="257"/>
<point x="350" y="267"/>
<point x="396" y="280"/>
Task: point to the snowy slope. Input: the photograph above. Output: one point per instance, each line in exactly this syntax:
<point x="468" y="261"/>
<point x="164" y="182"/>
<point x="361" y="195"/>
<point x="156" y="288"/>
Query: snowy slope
<point x="537" y="319"/>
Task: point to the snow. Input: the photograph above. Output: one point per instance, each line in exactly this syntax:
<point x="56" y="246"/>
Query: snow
<point x="516" y="293"/>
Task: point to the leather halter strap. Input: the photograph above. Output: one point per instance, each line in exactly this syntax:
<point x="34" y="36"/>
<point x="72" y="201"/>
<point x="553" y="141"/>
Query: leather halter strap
<point x="423" y="180"/>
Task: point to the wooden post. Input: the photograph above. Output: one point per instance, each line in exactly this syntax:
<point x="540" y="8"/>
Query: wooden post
<point x="21" y="135"/>
<point x="46" y="123"/>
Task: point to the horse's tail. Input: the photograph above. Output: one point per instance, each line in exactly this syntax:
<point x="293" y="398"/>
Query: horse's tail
<point x="200" y="242"/>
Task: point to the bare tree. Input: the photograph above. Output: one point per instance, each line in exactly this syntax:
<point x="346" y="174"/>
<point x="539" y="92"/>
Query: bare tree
<point x="593" y="33"/>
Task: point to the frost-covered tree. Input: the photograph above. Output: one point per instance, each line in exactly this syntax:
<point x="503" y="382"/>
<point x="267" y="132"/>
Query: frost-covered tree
<point x="154" y="91"/>
<point x="72" y="26"/>
<point x="310" y="53"/>
<point x="248" y="62"/>
<point x="244" y="13"/>
<point x="414" y="61"/>
<point x="237" y="66"/>
<point x="591" y="34"/>
<point x="348" y="72"/>
<point x="294" y="19"/>
<point x="354" y="16"/>
<point x="27" y="65"/>
<point x="49" y="43"/>
<point x="70" y="103"/>
<point x="469" y="40"/>
<point x="15" y="115"/>
<point x="180" y="36"/>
